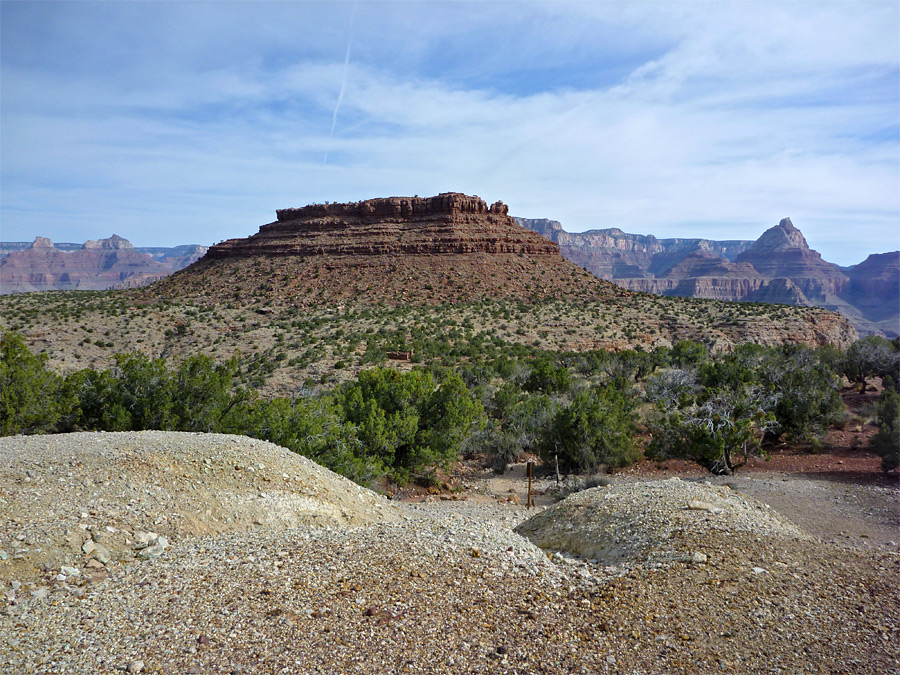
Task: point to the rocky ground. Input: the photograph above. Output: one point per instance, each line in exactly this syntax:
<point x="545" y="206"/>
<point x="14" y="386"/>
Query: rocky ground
<point x="713" y="577"/>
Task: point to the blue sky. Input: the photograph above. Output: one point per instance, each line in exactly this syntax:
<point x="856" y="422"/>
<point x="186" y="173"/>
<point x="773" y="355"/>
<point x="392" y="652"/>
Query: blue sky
<point x="191" y="122"/>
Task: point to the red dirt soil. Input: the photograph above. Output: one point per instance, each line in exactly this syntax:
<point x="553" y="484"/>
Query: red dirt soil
<point x="844" y="455"/>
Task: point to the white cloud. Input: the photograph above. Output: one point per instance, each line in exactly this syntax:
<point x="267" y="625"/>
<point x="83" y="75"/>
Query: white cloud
<point x="745" y="113"/>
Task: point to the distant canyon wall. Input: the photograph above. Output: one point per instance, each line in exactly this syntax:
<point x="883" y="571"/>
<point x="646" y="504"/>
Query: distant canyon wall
<point x="779" y="267"/>
<point x="96" y="265"/>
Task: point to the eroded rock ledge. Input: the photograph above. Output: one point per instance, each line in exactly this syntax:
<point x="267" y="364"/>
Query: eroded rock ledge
<point x="449" y="223"/>
<point x="453" y="203"/>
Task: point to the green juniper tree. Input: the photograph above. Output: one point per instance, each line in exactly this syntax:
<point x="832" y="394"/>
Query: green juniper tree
<point x="718" y="429"/>
<point x="886" y="443"/>
<point x="872" y="356"/>
<point x="408" y="421"/>
<point x="597" y="427"/>
<point x="30" y="394"/>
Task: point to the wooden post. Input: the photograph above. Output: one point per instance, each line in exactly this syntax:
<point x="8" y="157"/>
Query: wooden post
<point x="530" y="471"/>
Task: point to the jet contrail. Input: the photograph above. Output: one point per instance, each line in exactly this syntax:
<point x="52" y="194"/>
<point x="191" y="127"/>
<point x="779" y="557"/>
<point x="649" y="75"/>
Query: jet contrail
<point x="337" y="106"/>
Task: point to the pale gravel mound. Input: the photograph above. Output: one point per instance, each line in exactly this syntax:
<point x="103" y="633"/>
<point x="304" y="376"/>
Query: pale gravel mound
<point x="450" y="589"/>
<point x="59" y="492"/>
<point x="654" y="522"/>
<point x="434" y="588"/>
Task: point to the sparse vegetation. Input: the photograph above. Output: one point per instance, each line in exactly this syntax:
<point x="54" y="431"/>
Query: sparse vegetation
<point x="314" y="339"/>
<point x="468" y="391"/>
<point x="537" y="373"/>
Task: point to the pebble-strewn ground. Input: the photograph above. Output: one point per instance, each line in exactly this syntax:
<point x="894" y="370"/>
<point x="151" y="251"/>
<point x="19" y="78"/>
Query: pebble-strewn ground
<point x="450" y="588"/>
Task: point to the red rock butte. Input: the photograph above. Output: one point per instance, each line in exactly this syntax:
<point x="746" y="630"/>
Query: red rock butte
<point x="419" y="250"/>
<point x="450" y="223"/>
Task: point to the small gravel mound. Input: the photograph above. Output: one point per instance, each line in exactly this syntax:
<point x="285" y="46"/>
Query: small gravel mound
<point x="651" y="523"/>
<point x="90" y="498"/>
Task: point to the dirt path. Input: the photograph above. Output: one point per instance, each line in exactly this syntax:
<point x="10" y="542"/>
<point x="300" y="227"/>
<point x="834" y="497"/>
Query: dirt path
<point x="861" y="516"/>
<point x="837" y="499"/>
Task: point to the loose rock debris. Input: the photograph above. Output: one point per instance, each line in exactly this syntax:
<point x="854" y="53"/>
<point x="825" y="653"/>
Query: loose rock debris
<point x="400" y="590"/>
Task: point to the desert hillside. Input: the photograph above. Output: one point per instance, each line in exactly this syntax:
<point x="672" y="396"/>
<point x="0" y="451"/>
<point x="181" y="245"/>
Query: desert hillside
<point x="327" y="290"/>
<point x="299" y="344"/>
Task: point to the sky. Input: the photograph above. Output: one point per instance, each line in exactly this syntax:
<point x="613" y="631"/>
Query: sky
<point x="191" y="122"/>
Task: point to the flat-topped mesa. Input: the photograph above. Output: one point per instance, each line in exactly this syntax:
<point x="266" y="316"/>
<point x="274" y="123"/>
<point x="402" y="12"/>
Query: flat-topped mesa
<point x="42" y="242"/>
<point x="114" y="243"/>
<point x="450" y="223"/>
<point x="451" y="203"/>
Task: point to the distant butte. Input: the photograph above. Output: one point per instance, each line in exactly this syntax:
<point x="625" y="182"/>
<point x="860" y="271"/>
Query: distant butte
<point x="98" y="265"/>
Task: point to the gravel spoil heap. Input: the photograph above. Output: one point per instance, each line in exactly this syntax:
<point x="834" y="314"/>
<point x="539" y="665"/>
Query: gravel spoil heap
<point x="449" y="587"/>
<point x="653" y="523"/>
<point x="71" y="498"/>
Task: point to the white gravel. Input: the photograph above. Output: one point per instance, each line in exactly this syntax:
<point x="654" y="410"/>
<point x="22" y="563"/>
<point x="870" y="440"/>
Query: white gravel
<point x="446" y="587"/>
<point x="652" y="522"/>
<point x="59" y="492"/>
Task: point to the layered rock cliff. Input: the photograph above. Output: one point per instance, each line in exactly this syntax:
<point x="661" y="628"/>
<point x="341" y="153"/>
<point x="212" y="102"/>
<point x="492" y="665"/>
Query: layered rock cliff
<point x="614" y="254"/>
<point x="448" y="248"/>
<point x="878" y="276"/>
<point x="98" y="265"/>
<point x="782" y="252"/>
<point x="448" y="224"/>
<point x="874" y="290"/>
<point x="779" y="267"/>
<point x="95" y="265"/>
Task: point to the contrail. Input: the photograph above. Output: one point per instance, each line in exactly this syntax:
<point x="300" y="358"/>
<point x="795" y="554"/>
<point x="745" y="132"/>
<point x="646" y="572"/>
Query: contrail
<point x="337" y="106"/>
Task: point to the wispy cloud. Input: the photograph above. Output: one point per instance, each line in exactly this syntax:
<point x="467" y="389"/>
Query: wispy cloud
<point x="684" y="119"/>
<point x="340" y="99"/>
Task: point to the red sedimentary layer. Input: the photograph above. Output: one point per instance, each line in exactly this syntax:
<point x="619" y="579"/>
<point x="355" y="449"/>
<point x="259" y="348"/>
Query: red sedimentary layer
<point x="450" y="223"/>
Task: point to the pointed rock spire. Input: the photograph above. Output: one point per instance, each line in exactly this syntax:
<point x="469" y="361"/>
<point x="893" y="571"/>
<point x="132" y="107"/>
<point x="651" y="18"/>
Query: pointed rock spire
<point x="782" y="237"/>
